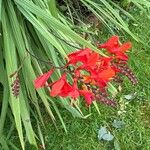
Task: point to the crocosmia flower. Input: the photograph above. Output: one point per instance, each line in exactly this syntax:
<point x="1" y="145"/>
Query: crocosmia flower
<point x="89" y="73"/>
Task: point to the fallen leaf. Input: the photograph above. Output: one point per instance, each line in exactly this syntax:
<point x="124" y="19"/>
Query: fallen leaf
<point x="130" y="96"/>
<point x="103" y="134"/>
<point x="118" y="124"/>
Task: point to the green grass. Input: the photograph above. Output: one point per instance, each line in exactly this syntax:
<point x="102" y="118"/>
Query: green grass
<point x="82" y="133"/>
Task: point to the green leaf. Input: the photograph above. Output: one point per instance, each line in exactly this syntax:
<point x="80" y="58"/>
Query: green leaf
<point x="52" y="8"/>
<point x="11" y="66"/>
<point x="112" y="90"/>
<point x="53" y="22"/>
<point x="71" y="109"/>
<point x="5" y="98"/>
<point x="26" y="118"/>
<point x="110" y="14"/>
<point x="0" y="10"/>
<point x="4" y="143"/>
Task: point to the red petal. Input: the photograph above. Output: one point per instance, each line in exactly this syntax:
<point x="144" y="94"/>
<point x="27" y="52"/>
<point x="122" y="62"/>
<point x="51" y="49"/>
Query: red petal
<point x="80" y="52"/>
<point x="79" y="56"/>
<point x="85" y="51"/>
<point x="41" y="80"/>
<point x="102" y="84"/>
<point x="56" y="88"/>
<point x="93" y="58"/>
<point x="121" y="56"/>
<point x="74" y="94"/>
<point x="105" y="61"/>
<point x="111" y="43"/>
<point x="65" y="90"/>
<point x="106" y="74"/>
<point x="124" y="47"/>
<point x="77" y="73"/>
<point x="88" y="96"/>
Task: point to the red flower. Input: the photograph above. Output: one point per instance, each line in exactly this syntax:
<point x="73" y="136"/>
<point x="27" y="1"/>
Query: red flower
<point x="105" y="62"/>
<point x="58" y="85"/>
<point x="124" y="47"/>
<point x="89" y="71"/>
<point x="89" y="96"/>
<point x="92" y="59"/>
<point x="79" y="56"/>
<point x="113" y="47"/>
<point x="107" y="74"/>
<point x="100" y="77"/>
<point x="66" y="89"/>
<point x="74" y="93"/>
<point x="104" y="77"/>
<point x="62" y="88"/>
<point x="41" y="80"/>
<point x="121" y="56"/>
<point x="71" y="91"/>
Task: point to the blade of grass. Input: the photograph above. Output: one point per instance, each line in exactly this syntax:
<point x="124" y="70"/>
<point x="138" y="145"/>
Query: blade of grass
<point x="5" y="98"/>
<point x="97" y="108"/>
<point x="53" y="22"/>
<point x="123" y="11"/>
<point x="122" y="25"/>
<point x="59" y="115"/>
<point x="44" y="32"/>
<point x="98" y="15"/>
<point x="27" y="68"/>
<point x="142" y="2"/>
<point x="4" y="143"/>
<point x="52" y="8"/>
<point x="4" y="107"/>
<point x="41" y="136"/>
<point x="13" y="146"/>
<point x="11" y="66"/>
<point x="0" y="10"/>
<point x="26" y="119"/>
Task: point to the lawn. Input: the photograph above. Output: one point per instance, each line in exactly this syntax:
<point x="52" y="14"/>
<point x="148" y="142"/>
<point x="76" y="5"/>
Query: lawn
<point x="135" y="112"/>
